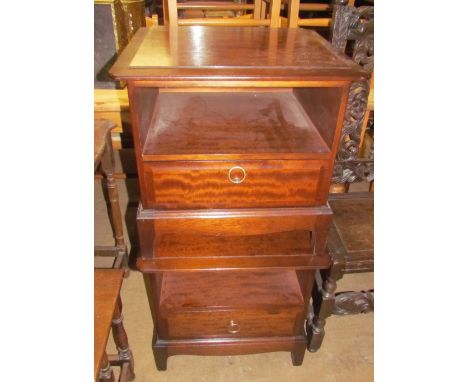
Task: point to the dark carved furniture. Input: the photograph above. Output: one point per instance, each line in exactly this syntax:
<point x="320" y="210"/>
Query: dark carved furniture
<point x="353" y="29"/>
<point x="104" y="158"/>
<point x="107" y="315"/>
<point x="235" y="145"/>
<point x="351" y="247"/>
<point x="115" y="22"/>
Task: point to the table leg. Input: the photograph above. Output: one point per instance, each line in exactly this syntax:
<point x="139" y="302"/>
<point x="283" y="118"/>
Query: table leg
<point x="108" y="167"/>
<point x="120" y="338"/>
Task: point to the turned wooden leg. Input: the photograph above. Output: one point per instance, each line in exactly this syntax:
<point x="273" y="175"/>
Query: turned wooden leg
<point x="106" y="374"/>
<point x="323" y="307"/>
<point x="108" y="164"/>
<point x="120" y="338"/>
<point x="324" y="294"/>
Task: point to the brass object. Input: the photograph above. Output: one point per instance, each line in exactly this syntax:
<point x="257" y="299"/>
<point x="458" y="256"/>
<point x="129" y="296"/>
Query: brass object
<point x="134" y="16"/>
<point x="115" y="22"/>
<point x="237" y="174"/>
<point x="127" y="17"/>
<point x="233" y="327"/>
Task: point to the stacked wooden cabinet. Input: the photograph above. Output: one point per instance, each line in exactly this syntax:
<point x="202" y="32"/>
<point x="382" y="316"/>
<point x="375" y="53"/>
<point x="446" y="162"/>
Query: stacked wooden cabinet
<point x="236" y="131"/>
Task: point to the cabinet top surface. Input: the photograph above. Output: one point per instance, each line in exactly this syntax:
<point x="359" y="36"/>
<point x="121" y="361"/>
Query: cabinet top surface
<point x="202" y="52"/>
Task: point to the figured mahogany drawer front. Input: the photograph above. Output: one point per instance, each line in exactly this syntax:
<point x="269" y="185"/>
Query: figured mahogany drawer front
<point x="198" y="185"/>
<point x="232" y="324"/>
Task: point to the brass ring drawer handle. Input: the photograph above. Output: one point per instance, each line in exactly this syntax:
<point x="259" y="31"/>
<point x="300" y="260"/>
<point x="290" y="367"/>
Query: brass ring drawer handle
<point x="237" y="174"/>
<point x="233" y="327"/>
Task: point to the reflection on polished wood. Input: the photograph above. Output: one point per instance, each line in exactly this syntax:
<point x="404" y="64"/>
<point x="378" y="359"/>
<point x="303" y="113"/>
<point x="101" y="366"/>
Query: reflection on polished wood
<point x="224" y="123"/>
<point x="233" y="219"/>
<point x="208" y="52"/>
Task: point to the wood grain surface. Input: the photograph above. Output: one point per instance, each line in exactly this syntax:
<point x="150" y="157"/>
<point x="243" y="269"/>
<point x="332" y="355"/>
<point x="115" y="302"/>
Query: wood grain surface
<point x="235" y="222"/>
<point x="251" y="124"/>
<point x="204" y="51"/>
<point x="194" y="185"/>
<point x="204" y="290"/>
<point x="218" y="324"/>
<point x="230" y="304"/>
<point x="277" y="244"/>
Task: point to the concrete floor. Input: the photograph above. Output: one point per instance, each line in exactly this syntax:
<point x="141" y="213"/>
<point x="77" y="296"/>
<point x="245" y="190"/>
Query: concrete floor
<point x="346" y="353"/>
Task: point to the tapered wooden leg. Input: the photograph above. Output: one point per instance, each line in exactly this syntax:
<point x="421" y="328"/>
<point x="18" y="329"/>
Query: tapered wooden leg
<point x="120" y="338"/>
<point x="297" y="355"/>
<point x="160" y="357"/>
<point x="106" y="374"/>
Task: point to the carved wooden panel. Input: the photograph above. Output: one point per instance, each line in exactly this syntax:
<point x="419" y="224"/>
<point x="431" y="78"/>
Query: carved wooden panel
<point x="354" y="28"/>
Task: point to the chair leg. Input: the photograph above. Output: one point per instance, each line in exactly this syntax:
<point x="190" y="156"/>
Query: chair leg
<point x="324" y="293"/>
<point x="108" y="165"/>
<point x="324" y="301"/>
<point x="106" y="374"/>
<point x="120" y="338"/>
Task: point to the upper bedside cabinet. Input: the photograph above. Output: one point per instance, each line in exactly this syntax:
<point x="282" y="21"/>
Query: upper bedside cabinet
<point x="252" y="113"/>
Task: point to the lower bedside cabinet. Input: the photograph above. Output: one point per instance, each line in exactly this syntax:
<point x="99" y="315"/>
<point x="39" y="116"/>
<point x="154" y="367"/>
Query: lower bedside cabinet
<point x="229" y="312"/>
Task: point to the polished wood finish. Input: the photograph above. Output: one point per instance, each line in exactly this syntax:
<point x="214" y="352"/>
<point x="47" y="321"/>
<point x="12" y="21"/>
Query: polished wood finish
<point x="230" y="304"/>
<point x="235" y="144"/>
<point x="107" y="314"/>
<point x="174" y="54"/>
<point x="236" y="222"/>
<point x="273" y="244"/>
<point x="197" y="185"/>
<point x="229" y="290"/>
<point x="197" y="123"/>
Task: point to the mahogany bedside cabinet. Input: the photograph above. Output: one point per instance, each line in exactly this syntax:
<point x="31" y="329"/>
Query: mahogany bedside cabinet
<point x="235" y="132"/>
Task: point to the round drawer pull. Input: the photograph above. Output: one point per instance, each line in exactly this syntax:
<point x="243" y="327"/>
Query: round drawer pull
<point x="233" y="327"/>
<point x="237" y="174"/>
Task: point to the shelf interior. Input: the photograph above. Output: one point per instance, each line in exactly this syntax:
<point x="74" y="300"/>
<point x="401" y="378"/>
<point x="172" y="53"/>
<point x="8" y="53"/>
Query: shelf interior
<point x="188" y="124"/>
<point x="229" y="289"/>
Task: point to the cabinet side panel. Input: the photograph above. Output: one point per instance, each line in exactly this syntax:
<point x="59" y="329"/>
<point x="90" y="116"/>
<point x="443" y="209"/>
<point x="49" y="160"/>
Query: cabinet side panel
<point x="145" y="102"/>
<point x="143" y="106"/>
<point x="322" y="106"/>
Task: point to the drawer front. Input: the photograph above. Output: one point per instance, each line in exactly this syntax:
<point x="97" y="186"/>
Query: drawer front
<point x="235" y="324"/>
<point x="248" y="184"/>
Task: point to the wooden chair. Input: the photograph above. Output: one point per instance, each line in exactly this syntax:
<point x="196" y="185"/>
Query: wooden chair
<point x="253" y="19"/>
<point x="294" y="9"/>
<point x="351" y="246"/>
<point x="104" y="157"/>
<point x="350" y="241"/>
<point x="107" y="314"/>
<point x="353" y="33"/>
